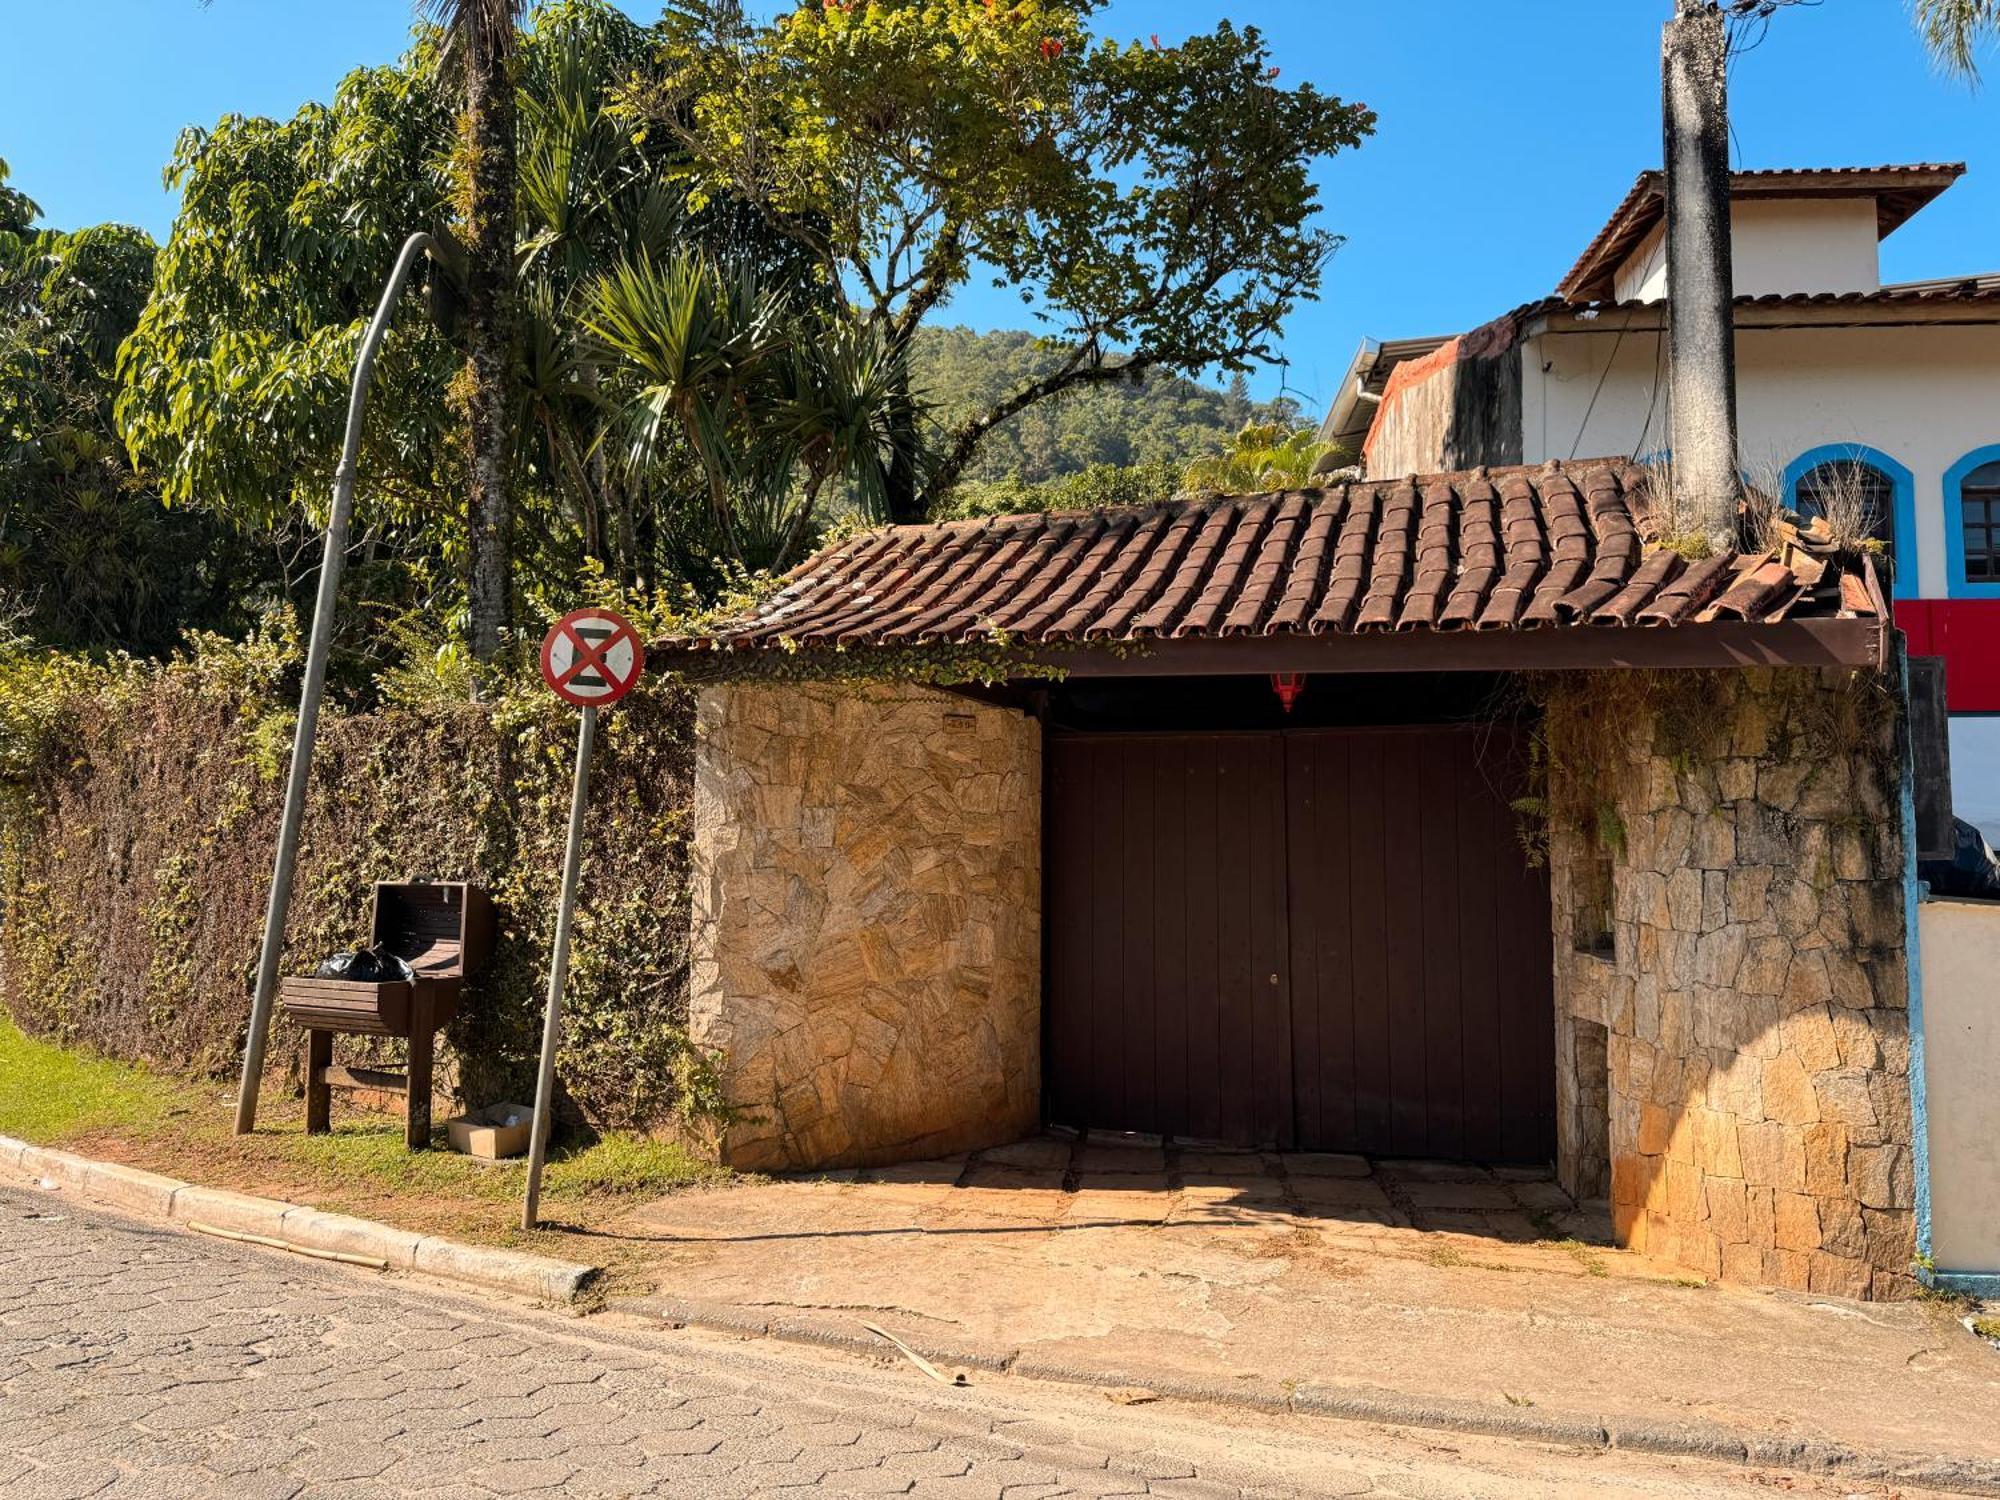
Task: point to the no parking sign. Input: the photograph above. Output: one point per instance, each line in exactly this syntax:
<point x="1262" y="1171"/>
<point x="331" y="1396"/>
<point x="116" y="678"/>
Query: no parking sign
<point x="592" y="657"/>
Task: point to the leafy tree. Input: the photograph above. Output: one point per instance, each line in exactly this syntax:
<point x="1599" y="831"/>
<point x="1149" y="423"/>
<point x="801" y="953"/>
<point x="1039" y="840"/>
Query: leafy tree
<point x="1266" y="456"/>
<point x="1152" y="204"/>
<point x="772" y="398"/>
<point x="1954" y="31"/>
<point x="1093" y="488"/>
<point x="88" y="556"/>
<point x="234" y="387"/>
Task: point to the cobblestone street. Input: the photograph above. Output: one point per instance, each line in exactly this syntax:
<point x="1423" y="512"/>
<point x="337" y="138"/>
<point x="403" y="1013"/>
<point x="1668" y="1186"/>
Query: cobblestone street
<point x="138" y="1361"/>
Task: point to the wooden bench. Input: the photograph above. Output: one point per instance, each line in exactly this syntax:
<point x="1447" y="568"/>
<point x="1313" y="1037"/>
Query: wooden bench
<point x="444" y="931"/>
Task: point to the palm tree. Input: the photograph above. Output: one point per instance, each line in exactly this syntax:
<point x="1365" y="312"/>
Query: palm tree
<point x="772" y="402"/>
<point x="480" y="42"/>
<point x="1954" y="30"/>
<point x="1264" y="456"/>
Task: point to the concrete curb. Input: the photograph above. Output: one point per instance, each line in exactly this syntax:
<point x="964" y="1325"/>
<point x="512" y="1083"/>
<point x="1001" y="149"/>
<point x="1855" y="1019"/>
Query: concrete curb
<point x="156" y="1197"/>
<point x="1971" y="1476"/>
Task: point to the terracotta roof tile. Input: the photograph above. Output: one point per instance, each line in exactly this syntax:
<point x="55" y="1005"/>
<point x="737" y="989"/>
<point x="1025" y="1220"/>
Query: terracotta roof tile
<point x="1551" y="548"/>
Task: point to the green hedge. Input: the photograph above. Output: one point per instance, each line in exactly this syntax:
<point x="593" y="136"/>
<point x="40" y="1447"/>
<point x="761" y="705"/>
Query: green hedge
<point x="138" y="817"/>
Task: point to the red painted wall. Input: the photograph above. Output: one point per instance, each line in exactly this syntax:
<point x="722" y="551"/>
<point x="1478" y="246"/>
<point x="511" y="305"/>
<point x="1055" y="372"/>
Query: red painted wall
<point x="1966" y="633"/>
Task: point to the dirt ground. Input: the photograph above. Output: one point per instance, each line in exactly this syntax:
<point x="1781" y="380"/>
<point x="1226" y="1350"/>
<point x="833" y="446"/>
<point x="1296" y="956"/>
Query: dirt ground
<point x="1270" y="1274"/>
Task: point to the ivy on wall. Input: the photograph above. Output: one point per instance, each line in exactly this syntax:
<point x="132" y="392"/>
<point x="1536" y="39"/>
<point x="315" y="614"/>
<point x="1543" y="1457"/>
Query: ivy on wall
<point x="138" y="820"/>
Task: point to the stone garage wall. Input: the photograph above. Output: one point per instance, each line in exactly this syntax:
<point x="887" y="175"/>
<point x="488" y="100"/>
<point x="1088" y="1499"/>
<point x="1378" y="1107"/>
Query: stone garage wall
<point x="867" y="921"/>
<point x="1751" y="1118"/>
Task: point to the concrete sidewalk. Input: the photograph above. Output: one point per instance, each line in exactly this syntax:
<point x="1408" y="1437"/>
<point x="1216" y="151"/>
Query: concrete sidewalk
<point x="1273" y="1279"/>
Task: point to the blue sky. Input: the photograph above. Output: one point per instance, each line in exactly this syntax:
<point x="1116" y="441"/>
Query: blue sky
<point x="1509" y="128"/>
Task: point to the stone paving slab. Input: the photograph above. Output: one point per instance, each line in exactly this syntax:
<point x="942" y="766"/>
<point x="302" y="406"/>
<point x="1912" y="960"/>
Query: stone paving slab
<point x="1352" y="1273"/>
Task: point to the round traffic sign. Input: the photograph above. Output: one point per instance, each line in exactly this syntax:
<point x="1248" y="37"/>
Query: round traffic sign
<point x="592" y="657"/>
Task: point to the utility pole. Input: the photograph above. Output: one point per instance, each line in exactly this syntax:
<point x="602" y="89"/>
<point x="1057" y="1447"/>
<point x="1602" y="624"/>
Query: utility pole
<point x="1701" y="329"/>
<point x="318" y="648"/>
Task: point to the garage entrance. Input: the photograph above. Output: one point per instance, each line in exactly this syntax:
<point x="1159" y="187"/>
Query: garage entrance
<point x="1319" y="939"/>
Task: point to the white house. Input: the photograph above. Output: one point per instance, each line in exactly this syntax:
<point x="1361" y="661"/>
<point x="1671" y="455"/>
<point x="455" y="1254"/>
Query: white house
<point x="1894" y="389"/>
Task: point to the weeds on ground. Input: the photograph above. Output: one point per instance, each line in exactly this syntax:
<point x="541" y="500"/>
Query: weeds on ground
<point x="1583" y="1255"/>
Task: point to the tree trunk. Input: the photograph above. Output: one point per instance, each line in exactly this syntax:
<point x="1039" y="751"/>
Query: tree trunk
<point x="490" y="169"/>
<point x="1701" y="333"/>
<point x="905" y="502"/>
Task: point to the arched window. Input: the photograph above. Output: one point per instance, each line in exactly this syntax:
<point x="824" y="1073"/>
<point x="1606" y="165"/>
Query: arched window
<point x="1972" y="525"/>
<point x="1979" y="514"/>
<point x="1861" y="493"/>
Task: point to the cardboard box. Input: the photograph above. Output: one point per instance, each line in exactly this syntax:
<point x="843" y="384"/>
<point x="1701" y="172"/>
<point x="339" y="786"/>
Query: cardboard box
<point x="486" y="1135"/>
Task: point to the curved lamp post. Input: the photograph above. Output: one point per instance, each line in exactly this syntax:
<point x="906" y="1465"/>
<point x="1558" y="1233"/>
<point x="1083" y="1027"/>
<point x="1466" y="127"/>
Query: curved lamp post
<point x="309" y="696"/>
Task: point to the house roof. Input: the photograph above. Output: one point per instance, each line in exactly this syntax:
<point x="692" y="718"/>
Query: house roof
<point x="1899" y="192"/>
<point x="1496" y="555"/>
<point x="1348" y="418"/>
<point x="1944" y="295"/>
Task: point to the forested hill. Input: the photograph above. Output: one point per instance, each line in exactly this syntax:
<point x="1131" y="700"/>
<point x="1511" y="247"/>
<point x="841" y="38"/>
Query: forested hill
<point x="1166" y="418"/>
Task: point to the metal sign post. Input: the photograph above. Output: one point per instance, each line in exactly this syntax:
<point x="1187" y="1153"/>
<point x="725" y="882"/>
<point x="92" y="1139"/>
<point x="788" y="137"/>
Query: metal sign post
<point x="316" y="653"/>
<point x="591" y="658"/>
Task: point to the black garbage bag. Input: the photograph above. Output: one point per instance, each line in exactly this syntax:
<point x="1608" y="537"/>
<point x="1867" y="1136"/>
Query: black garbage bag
<point x="367" y="966"/>
<point x="1972" y="871"/>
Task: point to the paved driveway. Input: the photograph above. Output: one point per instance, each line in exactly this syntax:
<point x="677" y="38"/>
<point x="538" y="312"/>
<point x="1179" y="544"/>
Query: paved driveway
<point x="1264" y="1275"/>
<point x="138" y="1361"/>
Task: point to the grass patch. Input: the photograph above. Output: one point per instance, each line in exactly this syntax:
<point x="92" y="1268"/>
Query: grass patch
<point x="49" y="1095"/>
<point x="626" y="1165"/>
<point x="369" y="1152"/>
<point x="114" y="1111"/>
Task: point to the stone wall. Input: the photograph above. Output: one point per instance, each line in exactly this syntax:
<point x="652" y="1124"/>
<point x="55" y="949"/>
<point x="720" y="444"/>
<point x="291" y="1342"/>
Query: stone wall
<point x="867" y="921"/>
<point x="1753" y="1003"/>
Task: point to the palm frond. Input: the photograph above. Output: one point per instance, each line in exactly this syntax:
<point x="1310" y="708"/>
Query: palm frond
<point x="1955" y="30"/>
<point x="476" y="32"/>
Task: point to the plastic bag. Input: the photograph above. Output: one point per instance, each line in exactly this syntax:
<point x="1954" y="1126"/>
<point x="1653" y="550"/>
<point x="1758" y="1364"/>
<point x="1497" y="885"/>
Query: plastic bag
<point x="368" y="966"/>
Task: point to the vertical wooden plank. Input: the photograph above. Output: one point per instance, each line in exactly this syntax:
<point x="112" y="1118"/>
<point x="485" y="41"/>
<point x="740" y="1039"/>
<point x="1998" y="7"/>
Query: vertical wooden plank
<point x="1307" y="857"/>
<point x="1203" y="941"/>
<point x="1170" y="916"/>
<point x="1483" y="838"/>
<point x="1439" y="890"/>
<point x="1067" y="882"/>
<point x="1235" y="958"/>
<point x="319" y="1097"/>
<point x="1367" y="828"/>
<point x="1139" y="1029"/>
<point x="1272" y="1093"/>
<point x="1402" y="874"/>
<point x="1107" y="983"/>
<point x="423" y="1040"/>
<point x="1335" y="916"/>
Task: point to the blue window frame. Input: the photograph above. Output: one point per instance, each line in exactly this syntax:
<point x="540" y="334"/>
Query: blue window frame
<point x="1895" y="523"/>
<point x="1972" y="525"/>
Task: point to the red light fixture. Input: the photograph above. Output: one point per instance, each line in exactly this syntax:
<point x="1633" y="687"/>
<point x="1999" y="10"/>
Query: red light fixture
<point x="1288" y="686"/>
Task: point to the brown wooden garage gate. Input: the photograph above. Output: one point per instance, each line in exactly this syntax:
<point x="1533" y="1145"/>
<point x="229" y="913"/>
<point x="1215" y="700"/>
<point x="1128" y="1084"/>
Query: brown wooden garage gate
<point x="1314" y="939"/>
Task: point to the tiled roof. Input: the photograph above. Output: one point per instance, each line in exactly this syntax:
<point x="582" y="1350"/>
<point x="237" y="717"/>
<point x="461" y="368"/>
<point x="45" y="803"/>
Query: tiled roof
<point x="1899" y="192"/>
<point x="1502" y="549"/>
<point x="1970" y="291"/>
